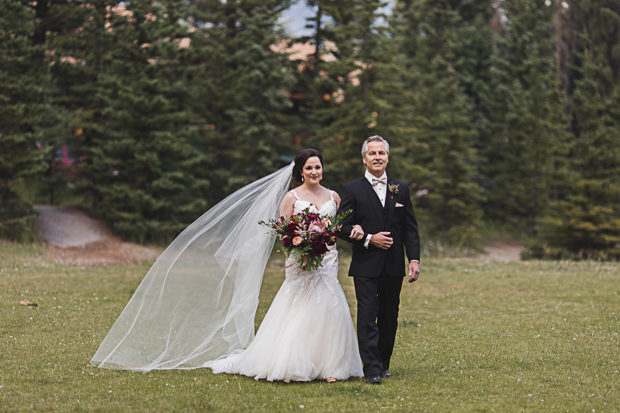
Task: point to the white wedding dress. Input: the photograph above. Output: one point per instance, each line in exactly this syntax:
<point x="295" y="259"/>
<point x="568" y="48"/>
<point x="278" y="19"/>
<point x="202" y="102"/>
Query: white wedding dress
<point x="308" y="332"/>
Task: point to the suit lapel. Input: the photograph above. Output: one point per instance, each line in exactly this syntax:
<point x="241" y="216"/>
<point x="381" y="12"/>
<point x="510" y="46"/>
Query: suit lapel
<point x="374" y="199"/>
<point x="392" y="202"/>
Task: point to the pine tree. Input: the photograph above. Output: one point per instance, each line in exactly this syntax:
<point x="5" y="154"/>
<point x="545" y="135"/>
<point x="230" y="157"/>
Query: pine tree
<point x="445" y="135"/>
<point x="53" y="19"/>
<point x="131" y="105"/>
<point x="239" y="84"/>
<point x="530" y="129"/>
<point x="364" y="84"/>
<point x="585" y="221"/>
<point x="474" y="67"/>
<point x="24" y="114"/>
<point x="175" y="105"/>
<point x="600" y="19"/>
<point x="312" y="93"/>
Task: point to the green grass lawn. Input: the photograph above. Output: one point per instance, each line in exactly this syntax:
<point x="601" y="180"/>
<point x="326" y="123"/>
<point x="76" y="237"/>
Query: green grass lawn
<point x="473" y="336"/>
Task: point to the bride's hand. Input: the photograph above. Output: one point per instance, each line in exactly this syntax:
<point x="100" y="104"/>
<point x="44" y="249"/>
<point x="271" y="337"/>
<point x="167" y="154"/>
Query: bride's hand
<point x="304" y="265"/>
<point x="356" y="233"/>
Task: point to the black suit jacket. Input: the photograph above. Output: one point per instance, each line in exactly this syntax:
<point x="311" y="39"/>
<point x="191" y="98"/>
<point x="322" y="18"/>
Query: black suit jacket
<point x="360" y="196"/>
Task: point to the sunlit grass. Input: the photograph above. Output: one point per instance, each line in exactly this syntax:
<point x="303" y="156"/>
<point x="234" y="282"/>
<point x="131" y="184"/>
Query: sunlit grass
<point x="473" y="336"/>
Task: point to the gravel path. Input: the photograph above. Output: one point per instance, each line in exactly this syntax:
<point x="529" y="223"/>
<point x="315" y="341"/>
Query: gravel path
<point x="72" y="237"/>
<point x="68" y="227"/>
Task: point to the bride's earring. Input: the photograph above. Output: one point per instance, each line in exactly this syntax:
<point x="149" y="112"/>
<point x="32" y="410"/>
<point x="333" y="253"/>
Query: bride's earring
<point x="302" y="178"/>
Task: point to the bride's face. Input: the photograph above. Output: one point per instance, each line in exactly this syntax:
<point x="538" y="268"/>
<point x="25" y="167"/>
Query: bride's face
<point x="312" y="170"/>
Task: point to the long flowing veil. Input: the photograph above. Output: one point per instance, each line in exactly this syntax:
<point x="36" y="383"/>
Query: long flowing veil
<point x="198" y="301"/>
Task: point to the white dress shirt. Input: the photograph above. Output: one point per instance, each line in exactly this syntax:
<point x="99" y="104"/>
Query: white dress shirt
<point x="380" y="190"/>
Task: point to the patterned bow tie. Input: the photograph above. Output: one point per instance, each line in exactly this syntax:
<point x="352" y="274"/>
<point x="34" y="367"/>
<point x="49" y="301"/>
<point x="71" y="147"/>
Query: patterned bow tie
<point x="376" y="181"/>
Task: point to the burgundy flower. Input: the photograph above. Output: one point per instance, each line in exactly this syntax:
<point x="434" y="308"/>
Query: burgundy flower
<point x="291" y="229"/>
<point x="318" y="249"/>
<point x="286" y="242"/>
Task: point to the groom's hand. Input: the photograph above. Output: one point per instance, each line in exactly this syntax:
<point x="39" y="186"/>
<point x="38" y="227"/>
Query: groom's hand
<point x="381" y="240"/>
<point x="414" y="271"/>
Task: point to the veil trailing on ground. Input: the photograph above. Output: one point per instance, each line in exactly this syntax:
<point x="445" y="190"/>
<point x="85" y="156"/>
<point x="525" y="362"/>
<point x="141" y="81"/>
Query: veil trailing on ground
<point x="198" y="301"/>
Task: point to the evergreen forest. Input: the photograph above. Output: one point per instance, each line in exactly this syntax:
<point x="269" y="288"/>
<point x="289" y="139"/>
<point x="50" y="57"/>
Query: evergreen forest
<point x="500" y="113"/>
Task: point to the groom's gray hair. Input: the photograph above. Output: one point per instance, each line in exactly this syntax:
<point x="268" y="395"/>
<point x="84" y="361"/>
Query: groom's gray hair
<point x="375" y="138"/>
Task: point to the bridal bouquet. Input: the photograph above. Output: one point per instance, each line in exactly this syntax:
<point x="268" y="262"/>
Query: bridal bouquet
<point x="306" y="236"/>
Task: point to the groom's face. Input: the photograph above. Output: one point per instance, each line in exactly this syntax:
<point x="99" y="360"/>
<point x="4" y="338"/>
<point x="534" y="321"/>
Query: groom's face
<point x="376" y="158"/>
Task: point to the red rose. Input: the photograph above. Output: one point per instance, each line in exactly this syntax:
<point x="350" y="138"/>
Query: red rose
<point x="286" y="242"/>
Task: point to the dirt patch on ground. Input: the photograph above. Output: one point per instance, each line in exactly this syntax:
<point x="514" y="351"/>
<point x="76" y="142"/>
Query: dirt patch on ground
<point x="107" y="251"/>
<point x="72" y="237"/>
<point x="502" y="251"/>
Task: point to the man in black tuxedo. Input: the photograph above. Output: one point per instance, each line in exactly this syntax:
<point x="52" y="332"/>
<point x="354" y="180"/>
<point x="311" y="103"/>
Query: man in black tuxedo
<point x="382" y="208"/>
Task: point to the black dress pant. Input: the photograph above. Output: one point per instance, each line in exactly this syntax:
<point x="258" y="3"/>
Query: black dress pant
<point x="378" y="299"/>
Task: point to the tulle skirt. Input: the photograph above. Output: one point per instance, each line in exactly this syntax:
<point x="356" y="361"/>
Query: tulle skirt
<point x="307" y="333"/>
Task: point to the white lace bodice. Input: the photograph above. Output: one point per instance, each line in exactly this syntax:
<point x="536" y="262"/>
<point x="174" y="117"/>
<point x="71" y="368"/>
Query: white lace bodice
<point x="328" y="209"/>
<point x="329" y="268"/>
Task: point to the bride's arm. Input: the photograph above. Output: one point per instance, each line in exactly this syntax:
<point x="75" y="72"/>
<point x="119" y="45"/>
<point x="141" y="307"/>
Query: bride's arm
<point x="348" y="231"/>
<point x="337" y="199"/>
<point x="356" y="232"/>
<point x="286" y="207"/>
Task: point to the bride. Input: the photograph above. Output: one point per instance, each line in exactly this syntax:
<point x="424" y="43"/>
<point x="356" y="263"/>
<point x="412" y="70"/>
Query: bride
<point x="307" y="333"/>
<point x="196" y="305"/>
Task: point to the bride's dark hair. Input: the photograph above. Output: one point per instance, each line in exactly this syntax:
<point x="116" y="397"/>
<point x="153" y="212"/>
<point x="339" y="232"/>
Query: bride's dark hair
<point x="300" y="161"/>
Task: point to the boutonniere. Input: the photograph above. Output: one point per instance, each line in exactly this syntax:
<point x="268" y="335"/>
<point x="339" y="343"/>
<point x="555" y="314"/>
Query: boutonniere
<point x="393" y="189"/>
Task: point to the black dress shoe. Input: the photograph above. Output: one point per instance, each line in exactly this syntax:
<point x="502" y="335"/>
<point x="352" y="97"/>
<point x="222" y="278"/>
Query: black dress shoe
<point x="385" y="374"/>
<point x="373" y="380"/>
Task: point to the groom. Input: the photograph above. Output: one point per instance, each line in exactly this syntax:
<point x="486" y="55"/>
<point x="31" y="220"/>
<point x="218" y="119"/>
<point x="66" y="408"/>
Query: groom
<point x="382" y="207"/>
